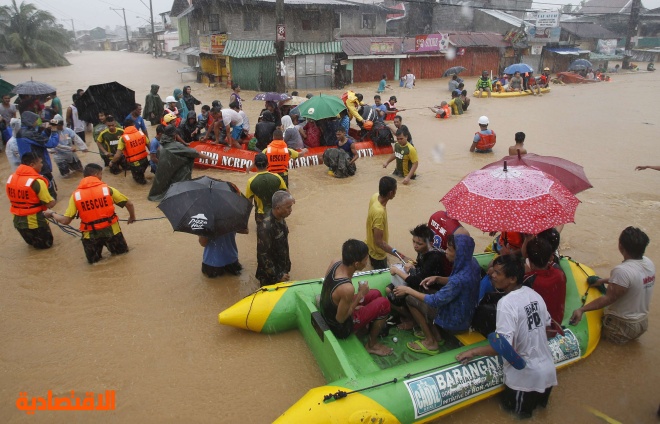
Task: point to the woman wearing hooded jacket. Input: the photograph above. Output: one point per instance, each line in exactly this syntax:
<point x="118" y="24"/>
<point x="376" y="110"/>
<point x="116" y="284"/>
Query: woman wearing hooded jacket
<point x="189" y="99"/>
<point x="452" y="307"/>
<point x="181" y="103"/>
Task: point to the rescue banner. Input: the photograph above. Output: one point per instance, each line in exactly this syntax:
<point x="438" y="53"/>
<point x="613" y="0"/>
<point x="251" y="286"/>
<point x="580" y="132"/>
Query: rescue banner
<point x="241" y="160"/>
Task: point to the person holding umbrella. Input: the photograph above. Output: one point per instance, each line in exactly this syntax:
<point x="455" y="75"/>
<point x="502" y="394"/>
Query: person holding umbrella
<point x="516" y="83"/>
<point x="94" y="202"/>
<point x="28" y="195"/>
<point x="175" y="163"/>
<point x="29" y="139"/>
<point x="221" y="254"/>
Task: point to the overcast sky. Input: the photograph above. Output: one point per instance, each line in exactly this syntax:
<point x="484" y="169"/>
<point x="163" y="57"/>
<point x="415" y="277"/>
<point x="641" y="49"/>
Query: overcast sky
<point x="88" y="14"/>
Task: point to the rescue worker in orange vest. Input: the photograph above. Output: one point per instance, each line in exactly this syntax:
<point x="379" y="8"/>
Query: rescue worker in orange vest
<point x="278" y="155"/>
<point x="485" y="139"/>
<point x="443" y="111"/>
<point x="28" y="196"/>
<point x="94" y="202"/>
<point x="132" y="152"/>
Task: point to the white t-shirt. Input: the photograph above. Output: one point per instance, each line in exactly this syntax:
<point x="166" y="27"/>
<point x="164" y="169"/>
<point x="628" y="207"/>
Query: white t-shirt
<point x="521" y="318"/>
<point x="246" y="121"/>
<point x="8" y="112"/>
<point x="410" y="80"/>
<point x="638" y="276"/>
<point x="231" y="118"/>
<point x="78" y="124"/>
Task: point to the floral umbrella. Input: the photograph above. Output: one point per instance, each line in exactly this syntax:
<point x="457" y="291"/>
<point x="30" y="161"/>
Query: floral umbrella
<point x="512" y="198"/>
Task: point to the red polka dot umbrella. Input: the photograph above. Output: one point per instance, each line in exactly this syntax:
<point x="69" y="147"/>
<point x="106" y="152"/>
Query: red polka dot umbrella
<point x="514" y="198"/>
<point x="570" y="174"/>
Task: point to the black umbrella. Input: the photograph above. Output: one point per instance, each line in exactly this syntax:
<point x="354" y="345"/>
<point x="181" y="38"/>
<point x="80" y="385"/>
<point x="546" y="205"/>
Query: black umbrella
<point x="33" y="88"/>
<point x="579" y="65"/>
<point x="453" y="71"/>
<point x="206" y="207"/>
<point x="111" y="98"/>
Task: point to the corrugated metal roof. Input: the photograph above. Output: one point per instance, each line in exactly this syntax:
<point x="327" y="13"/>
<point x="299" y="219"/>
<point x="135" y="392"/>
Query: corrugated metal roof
<point x="567" y="50"/>
<point x="320" y="2"/>
<point x="361" y="46"/>
<point x="587" y="30"/>
<point x="503" y="16"/>
<point x="606" y="6"/>
<point x="243" y="49"/>
<point x="478" y="39"/>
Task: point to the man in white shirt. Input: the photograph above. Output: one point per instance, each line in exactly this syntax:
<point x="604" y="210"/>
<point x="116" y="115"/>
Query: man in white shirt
<point x="233" y="123"/>
<point x="629" y="291"/>
<point x="522" y="319"/>
<point x="410" y="79"/>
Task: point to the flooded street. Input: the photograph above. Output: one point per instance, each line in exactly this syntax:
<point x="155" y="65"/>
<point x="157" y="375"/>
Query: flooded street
<point x="145" y="324"/>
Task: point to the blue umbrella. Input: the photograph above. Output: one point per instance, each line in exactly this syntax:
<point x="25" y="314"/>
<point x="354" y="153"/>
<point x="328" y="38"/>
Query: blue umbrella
<point x="580" y="64"/>
<point x="518" y="67"/>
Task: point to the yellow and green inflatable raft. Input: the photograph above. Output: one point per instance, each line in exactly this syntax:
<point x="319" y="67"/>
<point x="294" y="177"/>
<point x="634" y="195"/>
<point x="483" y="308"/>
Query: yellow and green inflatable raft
<point x="405" y="387"/>
<point x="510" y="93"/>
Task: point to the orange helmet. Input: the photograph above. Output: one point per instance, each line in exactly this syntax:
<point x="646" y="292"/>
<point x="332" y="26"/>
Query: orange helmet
<point x="368" y="125"/>
<point x="169" y="118"/>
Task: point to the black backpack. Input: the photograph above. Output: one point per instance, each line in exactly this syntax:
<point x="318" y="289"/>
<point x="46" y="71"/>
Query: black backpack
<point x="381" y="135"/>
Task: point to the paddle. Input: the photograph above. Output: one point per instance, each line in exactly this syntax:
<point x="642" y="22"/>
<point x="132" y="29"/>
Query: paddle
<point x="504" y="349"/>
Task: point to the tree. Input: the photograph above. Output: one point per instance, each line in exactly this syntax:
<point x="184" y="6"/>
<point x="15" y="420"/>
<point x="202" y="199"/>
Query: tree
<point x="33" y="36"/>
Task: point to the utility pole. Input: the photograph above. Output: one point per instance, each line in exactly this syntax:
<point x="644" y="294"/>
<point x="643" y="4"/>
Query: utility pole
<point x="75" y="40"/>
<point x="128" y="42"/>
<point x="153" y="33"/>
<point x="280" y="37"/>
<point x="633" y="25"/>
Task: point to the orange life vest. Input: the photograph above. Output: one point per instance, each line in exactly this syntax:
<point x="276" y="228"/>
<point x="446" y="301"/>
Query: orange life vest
<point x="94" y="204"/>
<point x="24" y="201"/>
<point x="135" y="144"/>
<point x="447" y="110"/>
<point x="486" y="141"/>
<point x="278" y="156"/>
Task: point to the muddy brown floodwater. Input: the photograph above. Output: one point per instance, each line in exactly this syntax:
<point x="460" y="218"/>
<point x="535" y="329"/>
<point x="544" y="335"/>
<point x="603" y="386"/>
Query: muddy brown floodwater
<point x="145" y="324"/>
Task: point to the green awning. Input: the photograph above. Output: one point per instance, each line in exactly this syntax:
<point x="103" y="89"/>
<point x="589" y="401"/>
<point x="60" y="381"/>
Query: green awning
<point x="244" y="49"/>
<point x="294" y="49"/>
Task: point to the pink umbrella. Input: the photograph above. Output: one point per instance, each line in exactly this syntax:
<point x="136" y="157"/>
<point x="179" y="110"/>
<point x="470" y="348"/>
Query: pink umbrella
<point x="570" y="174"/>
<point x="515" y="198"/>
